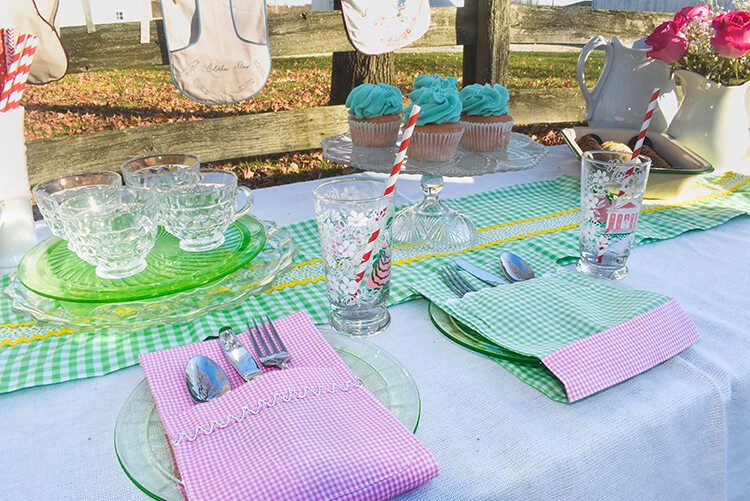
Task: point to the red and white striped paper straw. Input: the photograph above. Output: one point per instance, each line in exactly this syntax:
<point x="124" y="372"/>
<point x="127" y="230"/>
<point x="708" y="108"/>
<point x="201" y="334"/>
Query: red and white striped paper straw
<point x="390" y="186"/>
<point x="13" y="67"/>
<point x="642" y="134"/>
<point x="24" y="67"/>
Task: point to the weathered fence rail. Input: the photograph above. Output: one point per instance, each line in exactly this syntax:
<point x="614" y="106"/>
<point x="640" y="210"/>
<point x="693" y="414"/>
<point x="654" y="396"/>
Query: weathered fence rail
<point x="117" y="46"/>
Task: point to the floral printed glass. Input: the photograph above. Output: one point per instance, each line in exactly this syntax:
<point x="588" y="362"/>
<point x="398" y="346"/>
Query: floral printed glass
<point x="50" y="194"/>
<point x="115" y="235"/>
<point x="348" y="212"/>
<point x="610" y="205"/>
<point x="199" y="209"/>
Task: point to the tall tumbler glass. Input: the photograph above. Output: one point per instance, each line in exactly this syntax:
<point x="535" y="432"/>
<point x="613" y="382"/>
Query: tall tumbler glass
<point x="612" y="189"/>
<point x="348" y="212"/>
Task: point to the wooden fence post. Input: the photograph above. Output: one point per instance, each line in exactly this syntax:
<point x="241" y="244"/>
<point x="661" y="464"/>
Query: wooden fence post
<point x="487" y="61"/>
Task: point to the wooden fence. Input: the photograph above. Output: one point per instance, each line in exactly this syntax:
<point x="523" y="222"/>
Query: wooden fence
<point x="118" y="46"/>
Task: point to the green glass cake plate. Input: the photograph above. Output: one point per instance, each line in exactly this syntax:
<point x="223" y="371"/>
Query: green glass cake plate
<point x="141" y="445"/>
<point x="51" y="270"/>
<point x="469" y="338"/>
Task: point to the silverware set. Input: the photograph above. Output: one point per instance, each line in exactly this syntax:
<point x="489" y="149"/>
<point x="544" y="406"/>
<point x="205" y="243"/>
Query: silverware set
<point x="514" y="269"/>
<point x="206" y="380"/>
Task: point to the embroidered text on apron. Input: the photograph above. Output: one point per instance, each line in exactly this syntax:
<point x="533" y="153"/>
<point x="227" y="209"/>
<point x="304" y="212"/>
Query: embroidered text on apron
<point x="218" y="49"/>
<point x="376" y="27"/>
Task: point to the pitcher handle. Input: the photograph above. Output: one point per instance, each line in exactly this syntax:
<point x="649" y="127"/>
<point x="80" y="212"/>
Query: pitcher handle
<point x="249" y="199"/>
<point x="595" y="43"/>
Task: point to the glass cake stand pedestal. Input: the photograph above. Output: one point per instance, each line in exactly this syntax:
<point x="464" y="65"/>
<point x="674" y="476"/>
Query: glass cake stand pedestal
<point x="431" y="222"/>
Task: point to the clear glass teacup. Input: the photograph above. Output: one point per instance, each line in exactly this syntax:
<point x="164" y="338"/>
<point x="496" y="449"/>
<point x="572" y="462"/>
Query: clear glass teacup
<point x="161" y="170"/>
<point x="198" y="211"/>
<point x="51" y="194"/>
<point x="114" y="234"/>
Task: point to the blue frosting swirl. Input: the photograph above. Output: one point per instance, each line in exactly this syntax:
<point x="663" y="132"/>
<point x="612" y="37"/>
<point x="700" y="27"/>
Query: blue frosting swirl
<point x="433" y="80"/>
<point x="440" y="105"/>
<point x="485" y="100"/>
<point x="374" y="100"/>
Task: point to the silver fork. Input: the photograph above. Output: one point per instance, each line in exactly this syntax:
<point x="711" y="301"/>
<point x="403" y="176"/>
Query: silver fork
<point x="269" y="347"/>
<point x="455" y="282"/>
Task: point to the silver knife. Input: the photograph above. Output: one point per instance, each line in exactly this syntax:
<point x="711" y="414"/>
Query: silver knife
<point x="484" y="276"/>
<point x="238" y="354"/>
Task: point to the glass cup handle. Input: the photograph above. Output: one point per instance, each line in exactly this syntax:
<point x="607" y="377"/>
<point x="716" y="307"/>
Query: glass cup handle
<point x="249" y="199"/>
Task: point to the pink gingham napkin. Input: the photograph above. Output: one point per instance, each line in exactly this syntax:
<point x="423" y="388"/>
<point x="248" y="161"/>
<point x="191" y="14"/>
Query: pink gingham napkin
<point x="311" y="431"/>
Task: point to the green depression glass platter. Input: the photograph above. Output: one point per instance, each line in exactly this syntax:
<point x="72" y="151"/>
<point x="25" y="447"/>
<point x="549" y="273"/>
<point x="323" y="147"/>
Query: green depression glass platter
<point x="51" y="270"/>
<point x="469" y="338"/>
<point x="141" y="445"/>
<point x="258" y="275"/>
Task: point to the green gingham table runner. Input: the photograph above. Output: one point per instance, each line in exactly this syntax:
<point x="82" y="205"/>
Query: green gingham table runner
<point x="587" y="334"/>
<point x="536" y="220"/>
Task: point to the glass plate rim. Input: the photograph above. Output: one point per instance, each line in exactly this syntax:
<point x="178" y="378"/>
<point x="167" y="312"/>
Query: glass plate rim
<point x="433" y="309"/>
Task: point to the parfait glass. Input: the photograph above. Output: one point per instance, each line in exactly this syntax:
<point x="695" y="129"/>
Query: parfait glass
<point x="349" y="211"/>
<point x="612" y="189"/>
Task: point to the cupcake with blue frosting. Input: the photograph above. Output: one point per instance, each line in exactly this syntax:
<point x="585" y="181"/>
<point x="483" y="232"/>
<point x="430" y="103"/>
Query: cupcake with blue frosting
<point x="433" y="80"/>
<point x="485" y="117"/>
<point x="437" y="133"/>
<point x="374" y="114"/>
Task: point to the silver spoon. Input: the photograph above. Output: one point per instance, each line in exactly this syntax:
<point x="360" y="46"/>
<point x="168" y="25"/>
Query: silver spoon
<point x="205" y="379"/>
<point x="515" y="269"/>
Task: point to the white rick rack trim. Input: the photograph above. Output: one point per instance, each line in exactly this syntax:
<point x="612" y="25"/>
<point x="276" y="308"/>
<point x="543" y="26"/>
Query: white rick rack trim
<point x="246" y="410"/>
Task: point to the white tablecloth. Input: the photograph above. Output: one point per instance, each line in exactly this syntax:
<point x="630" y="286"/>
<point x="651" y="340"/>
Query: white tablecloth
<point x="679" y="431"/>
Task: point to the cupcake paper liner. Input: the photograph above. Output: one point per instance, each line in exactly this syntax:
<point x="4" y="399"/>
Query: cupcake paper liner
<point x="374" y="134"/>
<point x="434" y="146"/>
<point x="486" y="136"/>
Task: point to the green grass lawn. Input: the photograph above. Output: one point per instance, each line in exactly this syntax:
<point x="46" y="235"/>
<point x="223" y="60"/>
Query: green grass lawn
<point x="109" y="100"/>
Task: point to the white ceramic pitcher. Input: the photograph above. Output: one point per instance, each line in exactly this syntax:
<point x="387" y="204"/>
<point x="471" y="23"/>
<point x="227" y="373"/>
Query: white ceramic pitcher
<point x="713" y="122"/>
<point x="620" y="96"/>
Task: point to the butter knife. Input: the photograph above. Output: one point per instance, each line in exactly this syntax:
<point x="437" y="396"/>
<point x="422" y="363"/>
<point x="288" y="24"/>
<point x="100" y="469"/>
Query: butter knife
<point x="484" y="276"/>
<point x="238" y="354"/>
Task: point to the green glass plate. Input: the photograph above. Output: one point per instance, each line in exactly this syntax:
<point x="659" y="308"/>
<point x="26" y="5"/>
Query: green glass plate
<point x="469" y="338"/>
<point x="53" y="271"/>
<point x="143" y="452"/>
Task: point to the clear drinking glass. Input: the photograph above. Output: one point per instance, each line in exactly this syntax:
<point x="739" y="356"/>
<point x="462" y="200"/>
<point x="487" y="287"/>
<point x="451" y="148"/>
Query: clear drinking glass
<point x="199" y="210"/>
<point x="50" y="194"/>
<point x="113" y="235"/>
<point x="348" y="212"/>
<point x="612" y="189"/>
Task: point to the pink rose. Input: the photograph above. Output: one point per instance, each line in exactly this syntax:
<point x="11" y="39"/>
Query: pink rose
<point x="732" y="38"/>
<point x="691" y="14"/>
<point x="668" y="43"/>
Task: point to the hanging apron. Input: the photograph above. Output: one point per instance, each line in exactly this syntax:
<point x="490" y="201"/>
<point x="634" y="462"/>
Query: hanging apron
<point x="377" y="27"/>
<point x="50" y="60"/>
<point x="218" y="49"/>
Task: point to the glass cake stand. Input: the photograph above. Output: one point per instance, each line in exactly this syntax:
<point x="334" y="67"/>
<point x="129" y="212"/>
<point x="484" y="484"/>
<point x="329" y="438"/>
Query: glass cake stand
<point x="431" y="222"/>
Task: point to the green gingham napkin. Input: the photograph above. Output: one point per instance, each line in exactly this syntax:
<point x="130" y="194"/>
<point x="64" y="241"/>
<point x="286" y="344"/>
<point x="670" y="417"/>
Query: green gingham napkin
<point x="588" y="334"/>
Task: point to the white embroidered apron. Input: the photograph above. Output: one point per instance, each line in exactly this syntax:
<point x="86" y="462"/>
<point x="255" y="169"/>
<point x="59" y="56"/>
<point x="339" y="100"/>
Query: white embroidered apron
<point x="218" y="49"/>
<point x="376" y="27"/>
